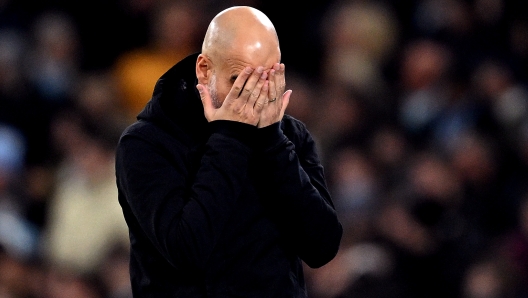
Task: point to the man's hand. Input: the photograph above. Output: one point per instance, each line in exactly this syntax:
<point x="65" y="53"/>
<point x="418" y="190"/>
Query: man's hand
<point x="244" y="103"/>
<point x="277" y="99"/>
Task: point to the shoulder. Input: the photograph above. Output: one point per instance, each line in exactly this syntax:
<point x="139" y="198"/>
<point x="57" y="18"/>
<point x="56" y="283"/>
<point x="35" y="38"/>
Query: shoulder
<point x="144" y="143"/>
<point x="145" y="132"/>
<point x="297" y="132"/>
<point x="294" y="124"/>
<point x="294" y="129"/>
<point x="135" y="138"/>
<point x="305" y="146"/>
<point x="141" y="129"/>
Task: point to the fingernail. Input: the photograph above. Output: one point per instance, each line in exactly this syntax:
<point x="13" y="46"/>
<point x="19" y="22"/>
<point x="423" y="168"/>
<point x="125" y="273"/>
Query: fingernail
<point x="272" y="72"/>
<point x="264" y="75"/>
<point x="200" y="88"/>
<point x="259" y="69"/>
<point x="248" y="70"/>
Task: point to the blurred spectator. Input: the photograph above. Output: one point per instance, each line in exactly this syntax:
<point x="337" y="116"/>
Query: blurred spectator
<point x="53" y="65"/>
<point x="39" y="184"/>
<point x="14" y="274"/>
<point x="505" y="97"/>
<point x="355" y="186"/>
<point x="422" y="264"/>
<point x="432" y="177"/>
<point x="488" y="209"/>
<point x="18" y="101"/>
<point x="174" y="35"/>
<point x="389" y="150"/>
<point x="97" y="103"/>
<point x="339" y="119"/>
<point x="421" y="223"/>
<point x="12" y="156"/>
<point x="18" y="236"/>
<point x="98" y="99"/>
<point x="489" y="277"/>
<point x="65" y="284"/>
<point x="13" y="86"/>
<point x="441" y="18"/>
<point x="420" y="109"/>
<point x="114" y="273"/>
<point x="359" y="38"/>
<point x="85" y="220"/>
<point x="352" y="94"/>
<point x="360" y="270"/>
<point x="424" y="92"/>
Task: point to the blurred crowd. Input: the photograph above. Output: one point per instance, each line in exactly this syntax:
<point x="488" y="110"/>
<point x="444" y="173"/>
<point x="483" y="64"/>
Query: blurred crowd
<point x="419" y="108"/>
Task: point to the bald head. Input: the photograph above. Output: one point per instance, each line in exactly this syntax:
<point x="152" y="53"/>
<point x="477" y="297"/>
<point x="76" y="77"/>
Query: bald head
<point x="240" y="30"/>
<point x="237" y="37"/>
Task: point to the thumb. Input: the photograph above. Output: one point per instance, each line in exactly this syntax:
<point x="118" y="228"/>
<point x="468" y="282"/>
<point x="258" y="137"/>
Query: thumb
<point x="285" y="101"/>
<point x="206" y="101"/>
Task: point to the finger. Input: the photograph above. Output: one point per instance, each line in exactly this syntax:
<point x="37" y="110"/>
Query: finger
<point x="272" y="93"/>
<point x="251" y="84"/>
<point x="280" y="82"/>
<point x="207" y="102"/>
<point x="239" y="83"/>
<point x="255" y="94"/>
<point x="263" y="98"/>
<point x="281" y="68"/>
<point x="285" y="102"/>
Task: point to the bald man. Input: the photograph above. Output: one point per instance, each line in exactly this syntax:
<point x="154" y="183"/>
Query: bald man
<point x="223" y="193"/>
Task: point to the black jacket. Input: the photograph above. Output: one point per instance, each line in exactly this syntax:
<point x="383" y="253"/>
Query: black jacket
<point x="220" y="209"/>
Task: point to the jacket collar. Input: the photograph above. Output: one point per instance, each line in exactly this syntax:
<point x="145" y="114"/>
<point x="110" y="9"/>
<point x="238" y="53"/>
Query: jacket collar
<point x="175" y="105"/>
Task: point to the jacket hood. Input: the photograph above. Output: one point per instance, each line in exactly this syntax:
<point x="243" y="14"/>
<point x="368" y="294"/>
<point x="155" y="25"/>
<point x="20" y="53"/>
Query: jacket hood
<point x="175" y="105"/>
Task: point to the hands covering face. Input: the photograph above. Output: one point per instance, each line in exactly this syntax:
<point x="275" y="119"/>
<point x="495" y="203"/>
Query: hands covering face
<point x="257" y="98"/>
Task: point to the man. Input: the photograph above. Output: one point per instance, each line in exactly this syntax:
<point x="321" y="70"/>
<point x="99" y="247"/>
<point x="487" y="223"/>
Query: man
<point x="224" y="197"/>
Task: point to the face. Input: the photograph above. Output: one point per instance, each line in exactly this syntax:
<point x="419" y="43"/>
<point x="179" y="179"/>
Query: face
<point x="223" y="74"/>
<point x="213" y="91"/>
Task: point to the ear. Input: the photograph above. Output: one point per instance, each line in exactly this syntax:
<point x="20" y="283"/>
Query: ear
<point x="203" y="69"/>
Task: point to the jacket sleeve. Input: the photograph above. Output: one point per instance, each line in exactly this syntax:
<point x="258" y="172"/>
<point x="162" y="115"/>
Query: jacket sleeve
<point x="183" y="226"/>
<point x="297" y="194"/>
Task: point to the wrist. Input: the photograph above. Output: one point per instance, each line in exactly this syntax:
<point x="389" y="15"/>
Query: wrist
<point x="267" y="137"/>
<point x="240" y="131"/>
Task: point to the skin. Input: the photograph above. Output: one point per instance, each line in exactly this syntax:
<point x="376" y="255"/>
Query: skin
<point x="239" y="71"/>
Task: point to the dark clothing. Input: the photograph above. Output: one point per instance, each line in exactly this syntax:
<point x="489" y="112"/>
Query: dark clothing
<point x="220" y="209"/>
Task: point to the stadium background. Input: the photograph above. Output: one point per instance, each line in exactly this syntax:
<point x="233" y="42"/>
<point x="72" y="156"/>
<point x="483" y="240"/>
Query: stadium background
<point x="419" y="108"/>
